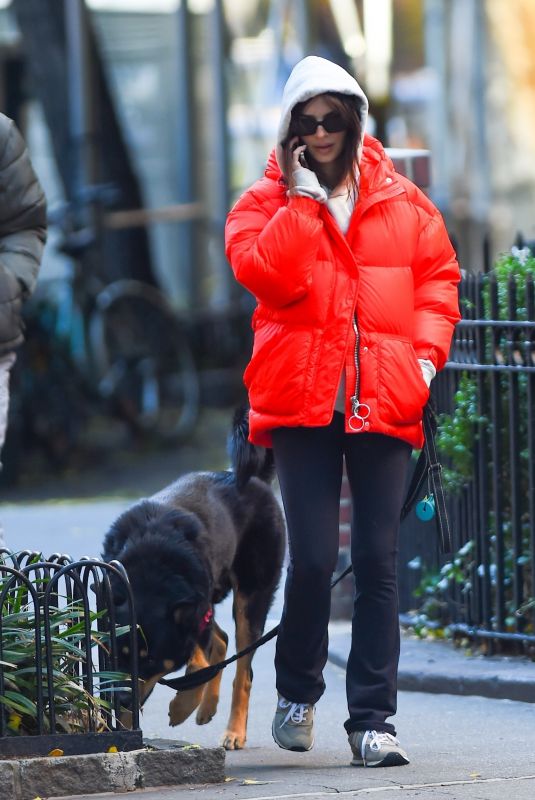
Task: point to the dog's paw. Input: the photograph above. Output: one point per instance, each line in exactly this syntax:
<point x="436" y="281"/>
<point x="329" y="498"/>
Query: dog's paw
<point x="181" y="706"/>
<point x="206" y="712"/>
<point x="233" y="741"/>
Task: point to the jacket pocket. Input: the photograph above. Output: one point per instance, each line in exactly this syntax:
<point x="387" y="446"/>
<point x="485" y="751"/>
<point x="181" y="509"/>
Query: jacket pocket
<point x="276" y="374"/>
<point x="402" y="391"/>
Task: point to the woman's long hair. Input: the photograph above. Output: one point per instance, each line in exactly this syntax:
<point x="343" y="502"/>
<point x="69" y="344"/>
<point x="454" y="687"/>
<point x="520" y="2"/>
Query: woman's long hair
<point x="348" y="107"/>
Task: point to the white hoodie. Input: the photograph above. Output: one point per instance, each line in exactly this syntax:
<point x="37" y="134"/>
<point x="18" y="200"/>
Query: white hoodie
<point x="310" y="77"/>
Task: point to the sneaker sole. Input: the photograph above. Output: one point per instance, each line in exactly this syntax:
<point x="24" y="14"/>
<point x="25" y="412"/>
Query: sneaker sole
<point x="391" y="760"/>
<point x="291" y="749"/>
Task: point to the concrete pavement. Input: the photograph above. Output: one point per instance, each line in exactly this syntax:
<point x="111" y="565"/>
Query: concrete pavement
<point x="462" y="744"/>
<point x="461" y="747"/>
<point x="438" y="666"/>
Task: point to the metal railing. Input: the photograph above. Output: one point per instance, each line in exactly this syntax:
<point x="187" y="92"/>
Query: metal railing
<point x="60" y="686"/>
<point x="493" y="511"/>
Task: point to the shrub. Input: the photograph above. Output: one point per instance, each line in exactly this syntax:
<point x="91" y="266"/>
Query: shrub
<point x="504" y="290"/>
<point x="73" y="663"/>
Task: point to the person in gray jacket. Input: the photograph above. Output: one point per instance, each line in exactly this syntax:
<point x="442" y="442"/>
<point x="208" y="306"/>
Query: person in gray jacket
<point x="22" y="239"/>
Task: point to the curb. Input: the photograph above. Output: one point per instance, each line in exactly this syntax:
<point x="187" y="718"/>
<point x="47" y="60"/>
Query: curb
<point x="492" y="686"/>
<point x="170" y="764"/>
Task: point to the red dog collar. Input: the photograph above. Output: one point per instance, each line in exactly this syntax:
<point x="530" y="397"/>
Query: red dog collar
<point x="205" y="621"/>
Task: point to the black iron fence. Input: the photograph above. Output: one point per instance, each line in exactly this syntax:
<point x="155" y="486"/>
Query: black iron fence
<point x="60" y="687"/>
<point x="487" y="390"/>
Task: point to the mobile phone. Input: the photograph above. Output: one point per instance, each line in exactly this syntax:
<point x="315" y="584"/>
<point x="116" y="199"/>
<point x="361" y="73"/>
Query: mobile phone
<point x="302" y="159"/>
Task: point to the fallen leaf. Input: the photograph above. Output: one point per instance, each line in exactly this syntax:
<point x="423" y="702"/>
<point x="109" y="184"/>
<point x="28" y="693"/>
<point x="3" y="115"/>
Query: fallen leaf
<point x="192" y="747"/>
<point x="252" y="782"/>
<point x="14" y="721"/>
<point x="56" y="752"/>
<point x="228" y="779"/>
<point x="112" y="749"/>
<point x="475" y="774"/>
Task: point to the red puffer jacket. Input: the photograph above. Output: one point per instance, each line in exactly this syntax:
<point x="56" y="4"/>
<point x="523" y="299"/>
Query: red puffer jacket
<point x="371" y="301"/>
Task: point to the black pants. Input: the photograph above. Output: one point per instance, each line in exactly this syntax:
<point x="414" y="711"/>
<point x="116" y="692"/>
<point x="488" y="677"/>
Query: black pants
<point x="309" y="465"/>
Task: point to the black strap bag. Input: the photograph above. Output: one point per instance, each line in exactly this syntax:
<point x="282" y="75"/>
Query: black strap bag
<point x="429" y="467"/>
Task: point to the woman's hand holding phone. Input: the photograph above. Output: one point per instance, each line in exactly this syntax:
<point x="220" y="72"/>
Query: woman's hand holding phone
<point x="298" y="150"/>
<point x="306" y="180"/>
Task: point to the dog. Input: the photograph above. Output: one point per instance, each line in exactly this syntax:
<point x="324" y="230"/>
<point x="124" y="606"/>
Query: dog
<point x="184" y="549"/>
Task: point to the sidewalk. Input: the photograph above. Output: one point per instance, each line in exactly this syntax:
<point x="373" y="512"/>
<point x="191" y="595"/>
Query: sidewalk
<point x="435" y="666"/>
<point x="461" y="747"/>
<point x="463" y="742"/>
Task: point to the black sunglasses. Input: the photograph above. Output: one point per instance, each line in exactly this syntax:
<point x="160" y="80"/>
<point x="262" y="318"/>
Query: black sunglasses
<point x="305" y="125"/>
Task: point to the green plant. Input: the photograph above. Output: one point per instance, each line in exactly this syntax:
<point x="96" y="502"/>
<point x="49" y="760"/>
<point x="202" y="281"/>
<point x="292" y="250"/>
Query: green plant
<point x="507" y="266"/>
<point x="457" y="434"/>
<point x="71" y="664"/>
<point x="457" y="441"/>
<point x="434" y="591"/>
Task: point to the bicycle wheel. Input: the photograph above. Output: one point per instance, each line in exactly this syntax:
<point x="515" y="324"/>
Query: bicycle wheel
<point x="143" y="360"/>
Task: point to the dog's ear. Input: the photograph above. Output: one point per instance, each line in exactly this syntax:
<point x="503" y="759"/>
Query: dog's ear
<point x="184" y="523"/>
<point x="184" y="610"/>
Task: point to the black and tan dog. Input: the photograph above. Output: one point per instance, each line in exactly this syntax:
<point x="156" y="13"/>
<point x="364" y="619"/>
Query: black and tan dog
<point x="184" y="549"/>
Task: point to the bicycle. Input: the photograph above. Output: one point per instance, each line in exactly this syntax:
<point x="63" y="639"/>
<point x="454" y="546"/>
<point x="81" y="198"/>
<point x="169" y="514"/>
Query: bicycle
<point x="119" y="347"/>
<point x="143" y="359"/>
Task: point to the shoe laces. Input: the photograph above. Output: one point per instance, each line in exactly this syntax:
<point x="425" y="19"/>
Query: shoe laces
<point x="297" y="712"/>
<point x="375" y="739"/>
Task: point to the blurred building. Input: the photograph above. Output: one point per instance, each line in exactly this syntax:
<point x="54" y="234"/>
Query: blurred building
<point x="481" y="114"/>
<point x="195" y="85"/>
<point x="453" y="76"/>
<point x="145" y="64"/>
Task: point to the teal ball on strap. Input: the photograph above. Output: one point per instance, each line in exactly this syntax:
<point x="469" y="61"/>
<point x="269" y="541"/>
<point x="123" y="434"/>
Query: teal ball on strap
<point x="425" y="509"/>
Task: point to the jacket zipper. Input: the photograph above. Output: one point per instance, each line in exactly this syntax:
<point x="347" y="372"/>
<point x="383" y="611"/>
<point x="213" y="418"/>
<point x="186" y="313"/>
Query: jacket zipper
<point x="359" y="411"/>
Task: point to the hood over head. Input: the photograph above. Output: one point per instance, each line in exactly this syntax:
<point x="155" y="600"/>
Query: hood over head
<point x="312" y="76"/>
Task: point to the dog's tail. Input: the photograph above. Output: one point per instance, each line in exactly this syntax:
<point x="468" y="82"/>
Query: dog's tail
<point x="248" y="460"/>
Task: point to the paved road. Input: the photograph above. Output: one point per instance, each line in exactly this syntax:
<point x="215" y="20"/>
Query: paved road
<point x="460" y="747"/>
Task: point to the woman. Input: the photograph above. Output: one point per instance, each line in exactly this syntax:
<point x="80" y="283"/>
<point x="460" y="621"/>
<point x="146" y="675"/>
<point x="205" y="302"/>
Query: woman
<point x="355" y="281"/>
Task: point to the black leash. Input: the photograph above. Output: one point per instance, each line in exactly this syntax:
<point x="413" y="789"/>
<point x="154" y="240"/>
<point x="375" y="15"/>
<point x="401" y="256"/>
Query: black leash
<point x="434" y="471"/>
<point x="194" y="679"/>
<point x="426" y="466"/>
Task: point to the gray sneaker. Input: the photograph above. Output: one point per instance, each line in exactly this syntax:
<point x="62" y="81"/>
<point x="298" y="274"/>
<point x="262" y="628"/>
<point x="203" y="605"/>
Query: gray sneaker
<point x="376" y="749"/>
<point x="293" y="725"/>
